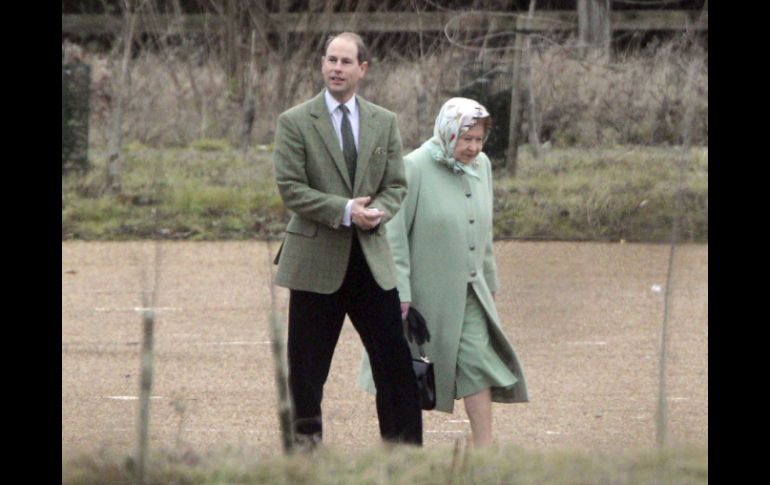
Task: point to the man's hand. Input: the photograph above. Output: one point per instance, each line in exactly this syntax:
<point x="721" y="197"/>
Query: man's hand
<point x="362" y="216"/>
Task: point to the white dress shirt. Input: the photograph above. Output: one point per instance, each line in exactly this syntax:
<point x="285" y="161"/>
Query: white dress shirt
<point x="336" y="114"/>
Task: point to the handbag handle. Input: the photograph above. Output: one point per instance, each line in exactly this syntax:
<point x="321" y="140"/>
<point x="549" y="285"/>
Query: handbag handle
<point x="423" y="357"/>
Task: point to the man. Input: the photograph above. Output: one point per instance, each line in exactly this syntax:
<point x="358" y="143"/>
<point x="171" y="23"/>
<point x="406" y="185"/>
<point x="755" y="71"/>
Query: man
<point x="339" y="170"/>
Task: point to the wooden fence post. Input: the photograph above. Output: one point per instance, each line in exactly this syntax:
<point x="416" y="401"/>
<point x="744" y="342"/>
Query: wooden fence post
<point x="278" y="348"/>
<point x="594" y="29"/>
<point x="514" y="127"/>
<point x="144" y="395"/>
<point x="149" y="299"/>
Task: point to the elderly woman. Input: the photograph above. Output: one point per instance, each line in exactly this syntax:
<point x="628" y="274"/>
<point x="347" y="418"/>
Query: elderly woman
<point x="442" y="244"/>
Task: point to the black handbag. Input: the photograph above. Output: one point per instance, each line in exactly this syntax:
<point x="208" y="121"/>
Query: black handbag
<point x="426" y="384"/>
<point x="417" y="330"/>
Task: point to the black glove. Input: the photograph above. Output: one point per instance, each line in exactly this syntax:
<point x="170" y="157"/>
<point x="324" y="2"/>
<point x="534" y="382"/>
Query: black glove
<point x="417" y="329"/>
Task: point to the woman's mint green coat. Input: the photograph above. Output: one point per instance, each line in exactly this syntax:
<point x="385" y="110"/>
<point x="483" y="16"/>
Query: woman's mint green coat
<point x="441" y="240"/>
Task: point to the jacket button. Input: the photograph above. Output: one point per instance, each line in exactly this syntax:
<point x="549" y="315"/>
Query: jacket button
<point x="467" y="194"/>
<point x="473" y="273"/>
<point x="473" y="247"/>
<point x="472" y="221"/>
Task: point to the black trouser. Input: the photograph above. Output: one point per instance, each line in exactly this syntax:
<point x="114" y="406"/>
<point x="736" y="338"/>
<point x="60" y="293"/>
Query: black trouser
<point x="315" y="323"/>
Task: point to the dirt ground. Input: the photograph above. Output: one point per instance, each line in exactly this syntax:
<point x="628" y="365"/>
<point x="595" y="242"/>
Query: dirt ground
<point x="584" y="318"/>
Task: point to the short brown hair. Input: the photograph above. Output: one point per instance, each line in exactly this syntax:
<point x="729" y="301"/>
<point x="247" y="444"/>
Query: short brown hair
<point x="363" y="56"/>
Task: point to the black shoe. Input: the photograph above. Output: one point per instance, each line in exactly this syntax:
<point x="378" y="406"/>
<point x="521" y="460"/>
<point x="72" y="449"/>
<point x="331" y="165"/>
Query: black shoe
<point x="306" y="443"/>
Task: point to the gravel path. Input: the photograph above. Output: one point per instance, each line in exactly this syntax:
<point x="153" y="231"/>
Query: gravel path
<point x="585" y="319"/>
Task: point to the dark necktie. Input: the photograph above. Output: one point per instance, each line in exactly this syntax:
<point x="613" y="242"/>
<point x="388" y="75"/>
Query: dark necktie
<point x="348" y="143"/>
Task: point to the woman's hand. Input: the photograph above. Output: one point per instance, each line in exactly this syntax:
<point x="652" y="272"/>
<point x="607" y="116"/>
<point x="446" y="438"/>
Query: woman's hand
<point x="404" y="309"/>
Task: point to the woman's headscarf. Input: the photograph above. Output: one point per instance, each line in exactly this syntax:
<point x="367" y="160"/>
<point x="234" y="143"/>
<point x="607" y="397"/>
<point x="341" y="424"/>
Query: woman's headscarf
<point x="457" y="116"/>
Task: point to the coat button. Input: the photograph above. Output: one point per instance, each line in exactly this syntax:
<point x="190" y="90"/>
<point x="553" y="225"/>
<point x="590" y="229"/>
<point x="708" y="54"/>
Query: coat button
<point x="467" y="194"/>
<point x="473" y="273"/>
<point x="472" y="221"/>
<point x="473" y="247"/>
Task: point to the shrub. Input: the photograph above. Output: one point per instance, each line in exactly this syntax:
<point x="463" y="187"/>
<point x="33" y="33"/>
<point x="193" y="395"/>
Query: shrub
<point x="179" y="98"/>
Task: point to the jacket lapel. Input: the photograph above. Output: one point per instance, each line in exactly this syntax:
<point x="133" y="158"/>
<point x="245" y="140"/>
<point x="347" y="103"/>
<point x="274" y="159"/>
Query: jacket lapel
<point x="366" y="136"/>
<point x="323" y="123"/>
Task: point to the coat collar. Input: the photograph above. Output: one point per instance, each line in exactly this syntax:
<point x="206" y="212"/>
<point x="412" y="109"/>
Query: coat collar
<point x="366" y="136"/>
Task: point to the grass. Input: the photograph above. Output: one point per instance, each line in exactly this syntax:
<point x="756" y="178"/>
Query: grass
<point x="206" y="192"/>
<point x="436" y="465"/>
<point x="614" y="194"/>
<point x="210" y="191"/>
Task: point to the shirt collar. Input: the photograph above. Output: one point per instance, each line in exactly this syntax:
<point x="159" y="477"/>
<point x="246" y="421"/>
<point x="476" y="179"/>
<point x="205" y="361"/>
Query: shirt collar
<point x="332" y="104"/>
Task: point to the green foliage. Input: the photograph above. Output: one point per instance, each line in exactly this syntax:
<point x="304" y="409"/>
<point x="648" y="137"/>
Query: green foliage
<point x="175" y="194"/>
<point x="210" y="145"/>
<point x="134" y="146"/>
<point x="627" y="193"/>
<point x="435" y="465"/>
<point x="607" y="195"/>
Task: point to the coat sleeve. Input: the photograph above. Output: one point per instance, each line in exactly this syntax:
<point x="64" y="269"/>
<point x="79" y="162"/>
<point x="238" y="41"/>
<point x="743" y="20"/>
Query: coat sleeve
<point x="399" y="229"/>
<point x="298" y="196"/>
<point x="393" y="186"/>
<point x="490" y="269"/>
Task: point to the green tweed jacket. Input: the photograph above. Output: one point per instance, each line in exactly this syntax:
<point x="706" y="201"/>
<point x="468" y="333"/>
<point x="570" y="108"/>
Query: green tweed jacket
<point x="314" y="184"/>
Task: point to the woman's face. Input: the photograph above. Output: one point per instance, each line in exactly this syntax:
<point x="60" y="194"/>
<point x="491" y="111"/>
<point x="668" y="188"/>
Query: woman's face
<point x="470" y="143"/>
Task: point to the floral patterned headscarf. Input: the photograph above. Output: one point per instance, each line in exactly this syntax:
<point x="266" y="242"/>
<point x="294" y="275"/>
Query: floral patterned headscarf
<point x="457" y="116"/>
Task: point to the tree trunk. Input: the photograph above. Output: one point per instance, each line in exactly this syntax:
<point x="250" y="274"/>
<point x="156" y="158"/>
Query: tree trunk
<point x="594" y="29"/>
<point x="534" y="139"/>
<point x="283" y="67"/>
<point x="249" y="105"/>
<point x="232" y="47"/>
<point x="514" y="126"/>
<point x="113" y="174"/>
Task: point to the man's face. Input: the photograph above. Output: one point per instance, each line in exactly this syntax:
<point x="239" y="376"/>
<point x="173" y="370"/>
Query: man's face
<point x="341" y="70"/>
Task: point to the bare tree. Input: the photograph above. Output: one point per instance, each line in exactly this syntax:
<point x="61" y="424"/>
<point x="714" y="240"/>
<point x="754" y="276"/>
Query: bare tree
<point x="113" y="182"/>
<point x="283" y="53"/>
<point x="534" y="141"/>
<point x="168" y="52"/>
<point x="594" y="27"/>
<point x="249" y="105"/>
<point x="514" y="126"/>
<point x="294" y="55"/>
